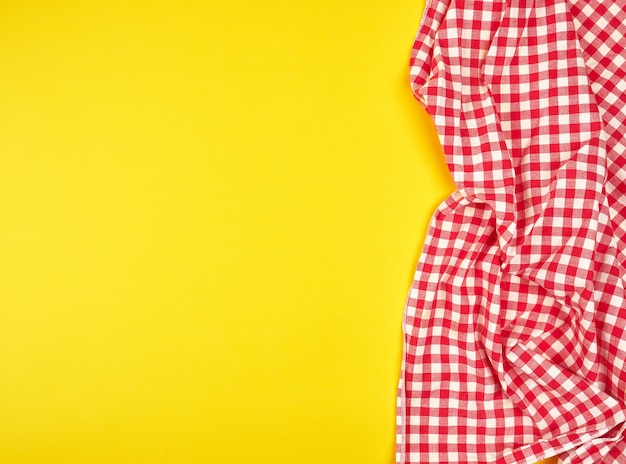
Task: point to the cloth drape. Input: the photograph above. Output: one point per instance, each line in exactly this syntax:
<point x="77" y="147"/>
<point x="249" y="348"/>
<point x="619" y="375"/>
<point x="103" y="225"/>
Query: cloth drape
<point x="514" y="325"/>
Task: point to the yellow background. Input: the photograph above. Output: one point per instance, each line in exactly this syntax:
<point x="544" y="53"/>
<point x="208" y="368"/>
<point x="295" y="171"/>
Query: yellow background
<point x="210" y="216"/>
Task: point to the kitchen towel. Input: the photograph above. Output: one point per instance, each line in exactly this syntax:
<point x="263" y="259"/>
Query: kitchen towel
<point x="514" y="325"/>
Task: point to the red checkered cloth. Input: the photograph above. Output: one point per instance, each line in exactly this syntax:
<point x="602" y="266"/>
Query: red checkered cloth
<point x="514" y="326"/>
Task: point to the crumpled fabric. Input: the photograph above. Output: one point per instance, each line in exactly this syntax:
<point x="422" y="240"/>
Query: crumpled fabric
<point x="514" y="325"/>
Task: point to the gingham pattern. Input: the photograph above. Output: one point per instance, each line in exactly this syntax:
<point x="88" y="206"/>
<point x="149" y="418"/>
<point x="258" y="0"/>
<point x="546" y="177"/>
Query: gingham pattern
<point x="514" y="326"/>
